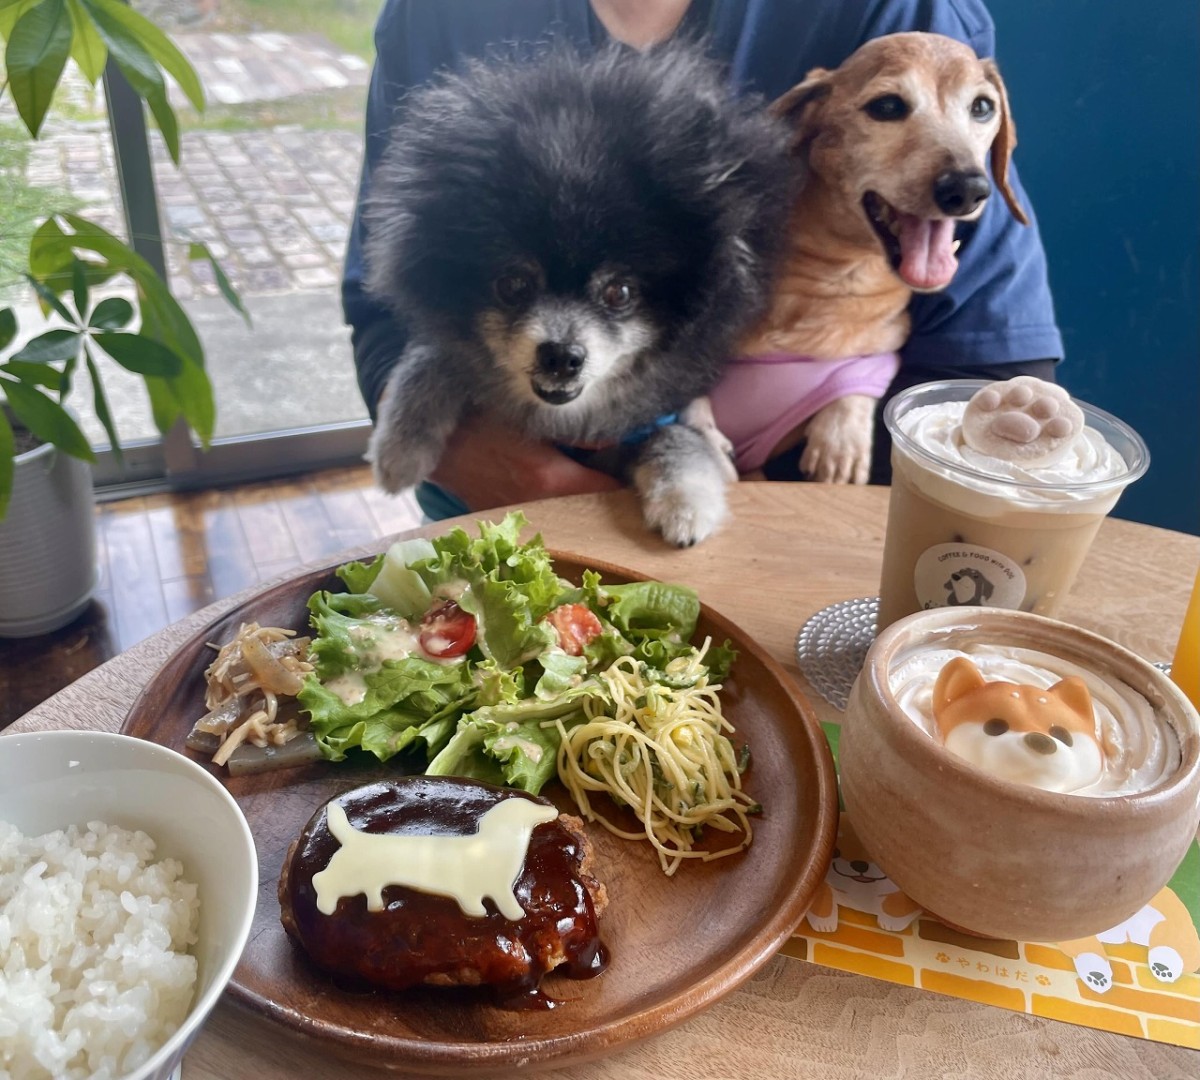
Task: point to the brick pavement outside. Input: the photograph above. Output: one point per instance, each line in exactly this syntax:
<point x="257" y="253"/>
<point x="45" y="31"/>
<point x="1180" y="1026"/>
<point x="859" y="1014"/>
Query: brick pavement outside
<point x="273" y="204"/>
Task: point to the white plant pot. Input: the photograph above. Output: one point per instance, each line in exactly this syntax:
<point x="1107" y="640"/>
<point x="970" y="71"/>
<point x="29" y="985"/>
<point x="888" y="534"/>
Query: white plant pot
<point x="47" y="543"/>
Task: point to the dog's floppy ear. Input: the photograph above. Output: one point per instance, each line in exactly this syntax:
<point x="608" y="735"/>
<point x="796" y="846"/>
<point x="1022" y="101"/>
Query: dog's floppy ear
<point x="799" y="106"/>
<point x="1004" y="142"/>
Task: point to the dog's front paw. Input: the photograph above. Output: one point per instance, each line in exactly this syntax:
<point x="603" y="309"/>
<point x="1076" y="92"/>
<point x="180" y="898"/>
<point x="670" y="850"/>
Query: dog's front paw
<point x="838" y="439"/>
<point x="682" y="485"/>
<point x="398" y="462"/>
<point x="683" y="517"/>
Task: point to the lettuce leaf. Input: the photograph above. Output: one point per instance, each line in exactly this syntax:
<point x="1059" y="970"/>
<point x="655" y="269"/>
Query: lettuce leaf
<point x="481" y="717"/>
<point x="507" y="744"/>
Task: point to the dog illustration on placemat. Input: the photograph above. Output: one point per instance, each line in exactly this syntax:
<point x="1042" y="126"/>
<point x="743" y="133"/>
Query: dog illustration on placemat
<point x="855" y="881"/>
<point x="1164" y="926"/>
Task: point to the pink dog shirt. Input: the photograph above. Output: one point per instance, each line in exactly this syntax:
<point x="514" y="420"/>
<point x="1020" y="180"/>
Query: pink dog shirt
<point x="762" y="398"/>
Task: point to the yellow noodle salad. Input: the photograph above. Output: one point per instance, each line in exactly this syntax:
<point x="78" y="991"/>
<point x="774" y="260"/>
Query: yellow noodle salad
<point x="660" y="748"/>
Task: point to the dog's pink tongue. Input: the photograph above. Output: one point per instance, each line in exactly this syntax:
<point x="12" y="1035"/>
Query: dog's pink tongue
<point x="926" y="252"/>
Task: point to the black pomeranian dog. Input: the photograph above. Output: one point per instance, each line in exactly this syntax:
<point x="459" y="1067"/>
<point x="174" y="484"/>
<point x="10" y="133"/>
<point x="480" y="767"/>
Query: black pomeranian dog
<point x="576" y="245"/>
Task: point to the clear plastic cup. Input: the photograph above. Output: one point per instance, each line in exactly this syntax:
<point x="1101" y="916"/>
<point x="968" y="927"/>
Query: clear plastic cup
<point x="958" y="535"/>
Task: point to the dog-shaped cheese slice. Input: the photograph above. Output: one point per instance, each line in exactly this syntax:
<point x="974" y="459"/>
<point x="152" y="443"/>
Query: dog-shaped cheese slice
<point x="467" y="868"/>
<point x="1027" y="734"/>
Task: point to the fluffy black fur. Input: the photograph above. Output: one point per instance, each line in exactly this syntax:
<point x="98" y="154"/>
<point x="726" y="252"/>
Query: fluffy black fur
<point x="643" y="162"/>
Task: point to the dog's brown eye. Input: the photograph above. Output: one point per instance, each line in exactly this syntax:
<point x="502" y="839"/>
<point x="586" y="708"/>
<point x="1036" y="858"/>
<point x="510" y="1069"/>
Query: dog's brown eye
<point x="617" y="295"/>
<point x="982" y="108"/>
<point x="887" y="107"/>
<point x="515" y="289"/>
<point x="995" y="727"/>
<point x="1062" y="735"/>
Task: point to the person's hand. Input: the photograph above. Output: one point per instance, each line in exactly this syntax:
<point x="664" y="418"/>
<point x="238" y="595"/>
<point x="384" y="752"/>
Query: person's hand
<point x="486" y="464"/>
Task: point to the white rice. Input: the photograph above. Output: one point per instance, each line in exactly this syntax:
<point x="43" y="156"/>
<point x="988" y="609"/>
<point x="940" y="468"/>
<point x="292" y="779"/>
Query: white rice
<point x="94" y="975"/>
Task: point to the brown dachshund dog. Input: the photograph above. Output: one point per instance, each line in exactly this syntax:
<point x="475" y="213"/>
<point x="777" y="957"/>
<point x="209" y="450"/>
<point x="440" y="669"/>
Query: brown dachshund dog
<point x="894" y="143"/>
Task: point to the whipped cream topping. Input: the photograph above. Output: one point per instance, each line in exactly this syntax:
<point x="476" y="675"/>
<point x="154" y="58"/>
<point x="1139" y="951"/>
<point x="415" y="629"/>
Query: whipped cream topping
<point x="1139" y="748"/>
<point x="1090" y="458"/>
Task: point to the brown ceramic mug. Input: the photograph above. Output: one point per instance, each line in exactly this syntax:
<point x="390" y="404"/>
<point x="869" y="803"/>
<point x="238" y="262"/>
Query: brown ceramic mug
<point x="996" y="857"/>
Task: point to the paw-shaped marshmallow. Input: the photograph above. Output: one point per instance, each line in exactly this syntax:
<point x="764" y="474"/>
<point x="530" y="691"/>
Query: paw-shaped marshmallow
<point x="1025" y="420"/>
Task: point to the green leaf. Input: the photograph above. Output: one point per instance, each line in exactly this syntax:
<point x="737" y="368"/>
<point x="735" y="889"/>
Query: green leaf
<point x="49" y="299"/>
<point x="163" y="407"/>
<point x="158" y="45"/>
<point x="52" y="260"/>
<point x="164" y="320"/>
<point x="188" y="393"/>
<point x="162" y="317"/>
<point x="32" y="372"/>
<point x="88" y="49"/>
<point x="167" y="122"/>
<point x="37" y="52"/>
<point x="193" y="391"/>
<point x="79" y="288"/>
<point x="8" y="327"/>
<point x="139" y="67"/>
<point x="113" y="313"/>
<point x="52" y="347"/>
<point x="10" y="12"/>
<point x="50" y="251"/>
<point x="48" y="420"/>
<point x="100" y="404"/>
<point x="8" y="450"/>
<point x="199" y="252"/>
<point x="139" y="354"/>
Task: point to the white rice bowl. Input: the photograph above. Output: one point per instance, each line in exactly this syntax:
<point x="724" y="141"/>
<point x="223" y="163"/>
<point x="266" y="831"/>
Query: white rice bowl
<point x="128" y="881"/>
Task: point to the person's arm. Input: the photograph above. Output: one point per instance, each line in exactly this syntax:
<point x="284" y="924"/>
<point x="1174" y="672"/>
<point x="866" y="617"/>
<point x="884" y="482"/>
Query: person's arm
<point x="377" y="337"/>
<point x="488" y="464"/>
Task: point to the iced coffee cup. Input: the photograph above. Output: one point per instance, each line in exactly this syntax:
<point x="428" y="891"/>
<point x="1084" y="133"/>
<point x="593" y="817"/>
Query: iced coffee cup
<point x="998" y="490"/>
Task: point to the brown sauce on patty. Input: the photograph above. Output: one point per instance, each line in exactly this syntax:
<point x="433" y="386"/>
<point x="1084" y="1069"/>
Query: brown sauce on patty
<point x="420" y="937"/>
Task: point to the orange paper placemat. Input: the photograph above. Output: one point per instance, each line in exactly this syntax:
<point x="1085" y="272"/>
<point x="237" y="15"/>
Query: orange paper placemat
<point x="1138" y="979"/>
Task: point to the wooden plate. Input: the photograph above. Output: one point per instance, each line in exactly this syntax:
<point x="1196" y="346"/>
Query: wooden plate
<point x="676" y="944"/>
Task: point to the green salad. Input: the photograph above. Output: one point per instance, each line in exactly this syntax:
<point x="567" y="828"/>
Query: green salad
<point x="467" y="650"/>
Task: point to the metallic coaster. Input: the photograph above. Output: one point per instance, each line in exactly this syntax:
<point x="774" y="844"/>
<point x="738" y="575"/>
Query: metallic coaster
<point x="832" y="646"/>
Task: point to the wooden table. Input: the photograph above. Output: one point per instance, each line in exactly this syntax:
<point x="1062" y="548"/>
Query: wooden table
<point x="790" y="550"/>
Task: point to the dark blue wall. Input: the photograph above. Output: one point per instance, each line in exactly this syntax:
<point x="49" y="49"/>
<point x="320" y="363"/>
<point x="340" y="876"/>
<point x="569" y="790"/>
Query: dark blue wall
<point x="1106" y="97"/>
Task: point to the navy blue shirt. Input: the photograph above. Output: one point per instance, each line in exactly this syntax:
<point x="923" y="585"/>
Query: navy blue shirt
<point x="998" y="309"/>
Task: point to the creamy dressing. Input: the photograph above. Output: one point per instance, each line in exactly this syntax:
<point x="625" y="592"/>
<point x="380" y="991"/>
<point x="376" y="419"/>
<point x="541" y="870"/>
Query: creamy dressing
<point x="377" y="639"/>
<point x="1139" y="748"/>
<point x="466" y="868"/>
<point x="528" y="747"/>
<point x="350" y="686"/>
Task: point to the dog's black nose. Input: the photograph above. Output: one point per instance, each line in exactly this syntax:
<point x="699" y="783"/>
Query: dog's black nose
<point x="958" y="193"/>
<point x="859" y="866"/>
<point x="559" y="359"/>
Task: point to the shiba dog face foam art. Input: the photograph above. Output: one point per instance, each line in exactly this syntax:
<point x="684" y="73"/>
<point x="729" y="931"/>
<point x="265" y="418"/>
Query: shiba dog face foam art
<point x="1026" y="734"/>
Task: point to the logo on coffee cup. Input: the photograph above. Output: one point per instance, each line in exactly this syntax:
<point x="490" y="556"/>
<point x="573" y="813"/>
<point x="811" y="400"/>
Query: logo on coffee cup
<point x="957" y="575"/>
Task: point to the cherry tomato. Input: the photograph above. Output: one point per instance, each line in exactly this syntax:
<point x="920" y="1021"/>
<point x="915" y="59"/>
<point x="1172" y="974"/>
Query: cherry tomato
<point x="576" y="625"/>
<point x="447" y="630"/>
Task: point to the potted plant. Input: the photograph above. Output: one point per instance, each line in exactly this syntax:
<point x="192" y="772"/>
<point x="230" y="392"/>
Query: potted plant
<point x="47" y="565"/>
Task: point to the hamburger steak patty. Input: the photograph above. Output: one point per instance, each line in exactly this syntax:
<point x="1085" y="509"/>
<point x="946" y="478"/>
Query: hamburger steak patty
<point x="420" y="937"/>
